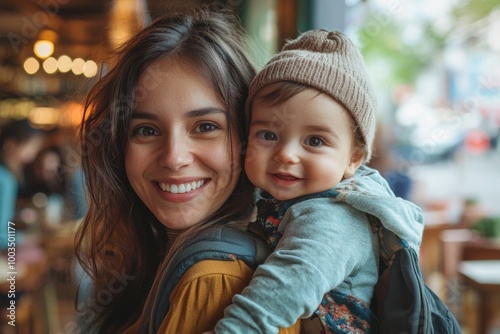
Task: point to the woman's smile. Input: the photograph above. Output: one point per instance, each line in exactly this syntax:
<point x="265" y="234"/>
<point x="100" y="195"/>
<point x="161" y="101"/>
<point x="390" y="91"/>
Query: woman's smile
<point x="181" y="188"/>
<point x="179" y="192"/>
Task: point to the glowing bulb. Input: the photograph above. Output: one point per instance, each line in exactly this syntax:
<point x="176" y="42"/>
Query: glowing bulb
<point x="77" y="66"/>
<point x="50" y="65"/>
<point x="44" y="117"/>
<point x="43" y="49"/>
<point x="64" y="63"/>
<point x="90" y="69"/>
<point x="31" y="65"/>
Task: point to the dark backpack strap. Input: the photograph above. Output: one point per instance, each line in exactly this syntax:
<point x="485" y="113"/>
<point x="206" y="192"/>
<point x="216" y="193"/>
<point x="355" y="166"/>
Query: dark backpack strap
<point x="221" y="243"/>
<point x="400" y="307"/>
<point x="404" y="304"/>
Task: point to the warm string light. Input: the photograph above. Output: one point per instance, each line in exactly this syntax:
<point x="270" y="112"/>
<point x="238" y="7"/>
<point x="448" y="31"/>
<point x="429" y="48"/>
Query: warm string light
<point x="63" y="64"/>
<point x="77" y="66"/>
<point x="68" y="114"/>
<point x="31" y="65"/>
<point x="44" y="49"/>
<point x="90" y="69"/>
<point x="50" y="65"/>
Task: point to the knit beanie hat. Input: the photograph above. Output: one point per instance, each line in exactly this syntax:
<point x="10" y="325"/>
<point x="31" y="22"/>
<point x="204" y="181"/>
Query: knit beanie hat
<point x="331" y="63"/>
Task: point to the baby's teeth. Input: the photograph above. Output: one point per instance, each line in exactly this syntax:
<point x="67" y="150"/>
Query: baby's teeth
<point x="193" y="185"/>
<point x="182" y="188"/>
<point x="174" y="189"/>
<point x="188" y="187"/>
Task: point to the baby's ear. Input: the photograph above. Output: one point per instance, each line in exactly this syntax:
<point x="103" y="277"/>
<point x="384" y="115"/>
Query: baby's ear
<point x="357" y="158"/>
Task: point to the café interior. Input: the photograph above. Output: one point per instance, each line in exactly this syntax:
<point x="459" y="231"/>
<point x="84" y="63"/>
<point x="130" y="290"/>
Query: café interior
<point x="435" y="67"/>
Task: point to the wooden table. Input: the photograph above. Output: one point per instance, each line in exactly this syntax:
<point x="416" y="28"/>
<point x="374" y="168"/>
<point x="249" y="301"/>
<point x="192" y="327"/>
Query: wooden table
<point x="484" y="277"/>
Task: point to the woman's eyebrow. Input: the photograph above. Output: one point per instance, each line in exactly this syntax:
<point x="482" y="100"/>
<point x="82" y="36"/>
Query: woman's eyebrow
<point x="205" y="111"/>
<point x="144" y="115"/>
<point x="190" y="114"/>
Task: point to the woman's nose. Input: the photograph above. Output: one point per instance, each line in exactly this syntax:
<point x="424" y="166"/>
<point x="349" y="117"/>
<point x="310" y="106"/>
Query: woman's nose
<point x="175" y="153"/>
<point x="287" y="154"/>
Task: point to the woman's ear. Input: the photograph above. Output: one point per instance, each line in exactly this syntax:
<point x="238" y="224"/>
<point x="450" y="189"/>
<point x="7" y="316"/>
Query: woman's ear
<point x="357" y="158"/>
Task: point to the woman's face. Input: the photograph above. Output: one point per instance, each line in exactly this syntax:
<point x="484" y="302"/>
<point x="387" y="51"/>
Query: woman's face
<point x="178" y="157"/>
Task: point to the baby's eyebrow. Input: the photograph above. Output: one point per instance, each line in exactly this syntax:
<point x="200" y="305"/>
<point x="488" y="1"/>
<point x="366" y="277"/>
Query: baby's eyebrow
<point x="260" y="123"/>
<point x="318" y="128"/>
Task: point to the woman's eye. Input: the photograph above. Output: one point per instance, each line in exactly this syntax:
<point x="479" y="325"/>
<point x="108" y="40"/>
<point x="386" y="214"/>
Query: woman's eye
<point x="314" y="141"/>
<point x="206" y="127"/>
<point x="144" y="131"/>
<point x="267" y="135"/>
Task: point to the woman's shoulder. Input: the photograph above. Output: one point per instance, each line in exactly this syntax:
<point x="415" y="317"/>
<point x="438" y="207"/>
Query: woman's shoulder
<point x="202" y="294"/>
<point x="213" y="269"/>
<point x="206" y="283"/>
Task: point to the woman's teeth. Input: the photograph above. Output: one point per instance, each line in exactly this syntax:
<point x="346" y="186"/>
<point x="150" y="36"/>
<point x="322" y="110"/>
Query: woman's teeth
<point x="181" y="188"/>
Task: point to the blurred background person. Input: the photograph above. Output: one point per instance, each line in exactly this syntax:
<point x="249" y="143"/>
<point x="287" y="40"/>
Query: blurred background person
<point x="45" y="173"/>
<point x="385" y="161"/>
<point x="19" y="145"/>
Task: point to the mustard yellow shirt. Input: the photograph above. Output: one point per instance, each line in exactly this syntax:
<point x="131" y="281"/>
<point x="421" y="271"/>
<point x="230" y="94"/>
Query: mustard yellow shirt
<point x="203" y="292"/>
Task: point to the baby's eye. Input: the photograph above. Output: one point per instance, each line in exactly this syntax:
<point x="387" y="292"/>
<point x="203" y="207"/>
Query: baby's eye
<point x="206" y="127"/>
<point x="266" y="135"/>
<point x="314" y="141"/>
<point x="144" y="131"/>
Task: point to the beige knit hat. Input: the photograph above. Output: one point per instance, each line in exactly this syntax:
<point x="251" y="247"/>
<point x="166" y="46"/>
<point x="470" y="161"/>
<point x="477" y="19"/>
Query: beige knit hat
<point x="329" y="62"/>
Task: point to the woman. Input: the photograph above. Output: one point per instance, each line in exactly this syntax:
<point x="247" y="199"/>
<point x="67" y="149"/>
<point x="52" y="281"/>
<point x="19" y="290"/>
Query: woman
<point x="162" y="160"/>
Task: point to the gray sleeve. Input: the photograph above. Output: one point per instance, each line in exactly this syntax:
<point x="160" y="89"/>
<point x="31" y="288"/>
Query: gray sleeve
<point x="321" y="245"/>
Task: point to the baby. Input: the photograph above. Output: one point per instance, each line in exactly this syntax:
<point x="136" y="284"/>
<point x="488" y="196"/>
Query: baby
<point x="312" y="122"/>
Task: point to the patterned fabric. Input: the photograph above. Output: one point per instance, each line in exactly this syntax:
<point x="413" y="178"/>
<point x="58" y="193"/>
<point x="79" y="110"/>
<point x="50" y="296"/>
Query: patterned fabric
<point x="269" y="217"/>
<point x="339" y="313"/>
<point x="270" y="211"/>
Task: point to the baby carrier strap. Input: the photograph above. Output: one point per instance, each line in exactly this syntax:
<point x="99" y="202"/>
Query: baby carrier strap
<point x="220" y="243"/>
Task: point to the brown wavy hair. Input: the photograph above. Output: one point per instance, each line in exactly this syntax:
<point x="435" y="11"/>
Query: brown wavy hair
<point x="120" y="244"/>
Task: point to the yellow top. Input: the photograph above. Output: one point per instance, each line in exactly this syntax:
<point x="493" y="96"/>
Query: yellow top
<point x="203" y="292"/>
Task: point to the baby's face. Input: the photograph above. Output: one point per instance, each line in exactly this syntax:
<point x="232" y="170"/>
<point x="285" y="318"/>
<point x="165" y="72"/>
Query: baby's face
<point x="300" y="147"/>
